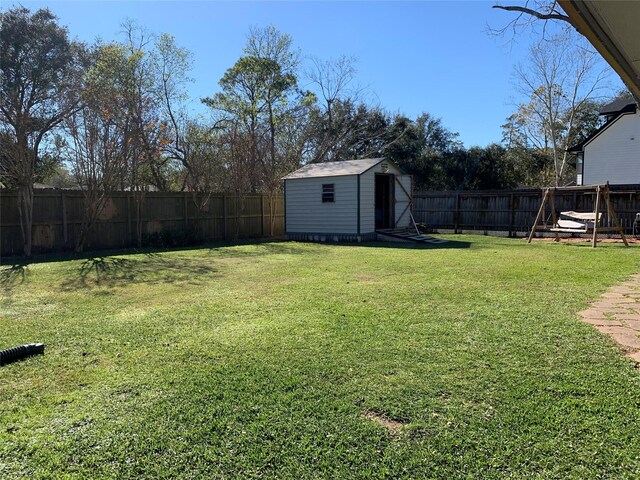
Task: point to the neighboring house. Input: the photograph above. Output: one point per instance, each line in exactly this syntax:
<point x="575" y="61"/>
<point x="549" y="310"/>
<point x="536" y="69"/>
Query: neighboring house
<point x="612" y="153"/>
<point x="43" y="186"/>
<point x="346" y="201"/>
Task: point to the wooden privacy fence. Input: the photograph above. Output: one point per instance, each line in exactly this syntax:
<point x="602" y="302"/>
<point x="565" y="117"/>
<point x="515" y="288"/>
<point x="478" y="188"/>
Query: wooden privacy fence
<point x="513" y="212"/>
<point x="57" y="217"/>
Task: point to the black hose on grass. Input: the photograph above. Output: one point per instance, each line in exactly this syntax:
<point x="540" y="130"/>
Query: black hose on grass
<point x="18" y="353"/>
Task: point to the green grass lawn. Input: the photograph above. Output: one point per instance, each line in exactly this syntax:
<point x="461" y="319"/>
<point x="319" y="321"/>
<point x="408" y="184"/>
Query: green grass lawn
<point x="273" y="360"/>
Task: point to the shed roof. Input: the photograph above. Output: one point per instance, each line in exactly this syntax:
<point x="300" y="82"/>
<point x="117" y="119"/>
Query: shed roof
<point x="334" y="169"/>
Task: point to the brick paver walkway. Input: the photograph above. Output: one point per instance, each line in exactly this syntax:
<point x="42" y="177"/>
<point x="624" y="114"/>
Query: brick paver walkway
<point x="617" y="314"/>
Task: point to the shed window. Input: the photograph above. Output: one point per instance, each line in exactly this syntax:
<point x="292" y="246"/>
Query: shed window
<point x="328" y="191"/>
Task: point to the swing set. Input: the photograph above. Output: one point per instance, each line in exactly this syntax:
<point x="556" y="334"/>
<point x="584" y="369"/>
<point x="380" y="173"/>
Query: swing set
<point x="583" y="223"/>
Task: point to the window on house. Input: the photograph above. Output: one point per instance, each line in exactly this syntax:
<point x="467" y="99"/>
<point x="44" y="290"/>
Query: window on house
<point x="579" y="168"/>
<point x="328" y="191"/>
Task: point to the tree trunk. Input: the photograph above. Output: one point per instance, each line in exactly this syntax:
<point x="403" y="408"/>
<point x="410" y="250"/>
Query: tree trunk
<point x="94" y="204"/>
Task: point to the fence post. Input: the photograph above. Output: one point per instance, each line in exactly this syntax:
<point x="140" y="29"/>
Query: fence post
<point x="129" y="218"/>
<point x="262" y="215"/>
<point x="512" y="215"/>
<point x="456" y="218"/>
<point x="224" y="217"/>
<point x="186" y="209"/>
<point x="65" y="231"/>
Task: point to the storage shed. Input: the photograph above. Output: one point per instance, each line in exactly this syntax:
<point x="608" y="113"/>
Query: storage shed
<point x="346" y="201"/>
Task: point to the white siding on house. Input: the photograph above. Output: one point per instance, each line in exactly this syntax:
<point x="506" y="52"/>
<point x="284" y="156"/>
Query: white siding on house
<point x="614" y="155"/>
<point x="305" y="212"/>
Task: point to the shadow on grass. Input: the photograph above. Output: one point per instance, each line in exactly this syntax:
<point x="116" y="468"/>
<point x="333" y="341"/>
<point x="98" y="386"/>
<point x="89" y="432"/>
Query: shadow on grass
<point x="106" y="271"/>
<point x="267" y="245"/>
<point x="13" y="276"/>
<point x="450" y="244"/>
<point x="306" y="248"/>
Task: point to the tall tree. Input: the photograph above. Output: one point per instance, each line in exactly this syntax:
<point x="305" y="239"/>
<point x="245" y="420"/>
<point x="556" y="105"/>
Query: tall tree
<point x="428" y="150"/>
<point x="169" y="67"/>
<point x="560" y="80"/>
<point x="332" y="80"/>
<point x="352" y="130"/>
<point x="337" y="100"/>
<point x="98" y="135"/>
<point x="203" y="159"/>
<point x="148" y="129"/>
<point x="491" y="169"/>
<point x="259" y="93"/>
<point x="40" y="71"/>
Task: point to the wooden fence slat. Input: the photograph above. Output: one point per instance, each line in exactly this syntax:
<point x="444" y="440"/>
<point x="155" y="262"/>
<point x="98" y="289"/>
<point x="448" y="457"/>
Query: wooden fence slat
<point x="512" y="211"/>
<point x="58" y="216"/>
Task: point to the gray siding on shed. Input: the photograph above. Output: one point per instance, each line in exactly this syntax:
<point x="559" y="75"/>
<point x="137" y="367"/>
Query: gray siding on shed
<point x="306" y="213"/>
<point x="367" y="204"/>
<point x="614" y="155"/>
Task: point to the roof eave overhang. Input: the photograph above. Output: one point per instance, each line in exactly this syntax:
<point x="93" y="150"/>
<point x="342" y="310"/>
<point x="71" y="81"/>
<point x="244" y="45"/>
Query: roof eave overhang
<point x="588" y="25"/>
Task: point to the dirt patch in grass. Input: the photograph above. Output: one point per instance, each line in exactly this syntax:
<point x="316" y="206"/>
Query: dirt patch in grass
<point x="630" y="239"/>
<point x="365" y="278"/>
<point x="393" y="426"/>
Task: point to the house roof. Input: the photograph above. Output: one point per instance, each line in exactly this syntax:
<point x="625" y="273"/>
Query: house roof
<point x="612" y="28"/>
<point x="334" y="169"/>
<point x="580" y="146"/>
<point x="619" y="105"/>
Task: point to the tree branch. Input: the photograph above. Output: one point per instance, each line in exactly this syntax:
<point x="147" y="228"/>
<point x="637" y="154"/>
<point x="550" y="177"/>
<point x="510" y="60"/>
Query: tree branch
<point x="535" y="13"/>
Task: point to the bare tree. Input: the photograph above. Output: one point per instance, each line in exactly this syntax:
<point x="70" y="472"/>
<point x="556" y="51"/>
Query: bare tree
<point x="170" y="65"/>
<point x="530" y="13"/>
<point x="148" y="129"/>
<point x="559" y="80"/>
<point x="95" y="150"/>
<point x="333" y="80"/>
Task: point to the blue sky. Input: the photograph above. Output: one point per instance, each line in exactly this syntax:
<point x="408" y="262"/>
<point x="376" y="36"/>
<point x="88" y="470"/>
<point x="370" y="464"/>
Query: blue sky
<point x="413" y="57"/>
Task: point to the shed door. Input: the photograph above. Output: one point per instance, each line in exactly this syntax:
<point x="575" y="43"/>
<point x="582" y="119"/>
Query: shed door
<point x="384" y="194"/>
<point x="403" y="193"/>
